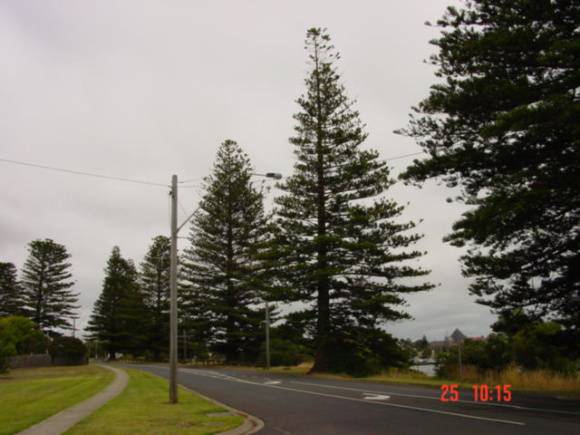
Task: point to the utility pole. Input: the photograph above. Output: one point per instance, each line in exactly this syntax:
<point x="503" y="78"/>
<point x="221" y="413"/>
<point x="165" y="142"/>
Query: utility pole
<point x="459" y="359"/>
<point x="173" y="339"/>
<point x="267" y="325"/>
<point x="275" y="176"/>
<point x="173" y="296"/>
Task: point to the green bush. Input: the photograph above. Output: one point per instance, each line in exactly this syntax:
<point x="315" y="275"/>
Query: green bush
<point x="537" y="346"/>
<point x="6" y="350"/>
<point x="283" y="353"/>
<point x="19" y="336"/>
<point x="542" y="346"/>
<point x="363" y="352"/>
<point x="68" y="351"/>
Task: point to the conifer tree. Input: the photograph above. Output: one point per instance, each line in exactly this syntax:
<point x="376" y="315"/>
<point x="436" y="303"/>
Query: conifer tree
<point x="119" y="321"/>
<point x="218" y="297"/>
<point x="339" y="247"/>
<point x="502" y="125"/>
<point x="47" y="286"/>
<point x="154" y="279"/>
<point x="10" y="291"/>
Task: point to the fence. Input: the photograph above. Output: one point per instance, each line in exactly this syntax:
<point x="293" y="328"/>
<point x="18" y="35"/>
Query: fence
<point x="26" y="361"/>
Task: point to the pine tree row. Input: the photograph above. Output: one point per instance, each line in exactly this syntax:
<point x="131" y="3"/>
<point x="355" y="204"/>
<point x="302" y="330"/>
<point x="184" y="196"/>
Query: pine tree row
<point x="44" y="293"/>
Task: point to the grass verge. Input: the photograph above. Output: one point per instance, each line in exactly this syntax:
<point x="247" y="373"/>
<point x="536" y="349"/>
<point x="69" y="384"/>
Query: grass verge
<point x="143" y="409"/>
<point x="31" y="395"/>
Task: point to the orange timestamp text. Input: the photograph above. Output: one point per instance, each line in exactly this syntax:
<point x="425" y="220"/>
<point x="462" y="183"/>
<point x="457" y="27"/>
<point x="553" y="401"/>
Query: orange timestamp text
<point x="480" y="393"/>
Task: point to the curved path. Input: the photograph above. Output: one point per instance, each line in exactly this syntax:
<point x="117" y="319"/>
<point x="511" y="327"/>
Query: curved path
<point x="64" y="420"/>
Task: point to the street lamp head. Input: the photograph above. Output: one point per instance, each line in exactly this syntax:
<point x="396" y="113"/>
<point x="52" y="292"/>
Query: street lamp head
<point x="274" y="175"/>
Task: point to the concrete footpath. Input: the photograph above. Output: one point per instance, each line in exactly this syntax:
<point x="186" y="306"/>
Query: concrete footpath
<point x="64" y="420"/>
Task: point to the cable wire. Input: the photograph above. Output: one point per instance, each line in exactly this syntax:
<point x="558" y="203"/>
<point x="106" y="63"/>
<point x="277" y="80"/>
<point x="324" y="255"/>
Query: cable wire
<point x="404" y="156"/>
<point x="190" y="179"/>
<point x="88" y="174"/>
<point x="148" y="183"/>
<point x="183" y="208"/>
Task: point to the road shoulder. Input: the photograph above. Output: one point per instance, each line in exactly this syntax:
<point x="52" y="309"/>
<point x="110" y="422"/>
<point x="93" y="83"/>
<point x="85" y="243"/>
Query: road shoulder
<point x="252" y="424"/>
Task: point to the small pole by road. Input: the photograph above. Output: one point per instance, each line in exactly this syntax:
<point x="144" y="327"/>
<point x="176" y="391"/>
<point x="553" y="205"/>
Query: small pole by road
<point x="267" y="326"/>
<point x="459" y="359"/>
<point x="173" y="296"/>
<point x="275" y="176"/>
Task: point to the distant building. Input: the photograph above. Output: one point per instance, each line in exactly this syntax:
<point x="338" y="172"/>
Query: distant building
<point x="457" y="336"/>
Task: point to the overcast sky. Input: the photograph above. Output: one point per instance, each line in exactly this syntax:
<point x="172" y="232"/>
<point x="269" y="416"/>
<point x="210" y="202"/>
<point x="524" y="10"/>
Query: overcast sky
<point x="146" y="89"/>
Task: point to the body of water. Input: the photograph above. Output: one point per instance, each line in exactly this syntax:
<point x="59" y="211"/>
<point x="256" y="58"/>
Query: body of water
<point x="428" y="369"/>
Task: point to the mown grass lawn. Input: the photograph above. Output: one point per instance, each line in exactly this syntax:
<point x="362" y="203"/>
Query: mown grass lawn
<point x="143" y="409"/>
<point x="28" y="396"/>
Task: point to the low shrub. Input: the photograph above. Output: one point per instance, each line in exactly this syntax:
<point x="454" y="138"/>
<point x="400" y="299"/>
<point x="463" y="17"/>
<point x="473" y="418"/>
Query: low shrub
<point x="19" y="336"/>
<point x="68" y="351"/>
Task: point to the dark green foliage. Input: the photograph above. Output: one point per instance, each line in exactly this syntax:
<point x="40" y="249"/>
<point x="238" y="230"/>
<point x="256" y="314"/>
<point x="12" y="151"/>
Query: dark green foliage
<point x="298" y="327"/>
<point x="340" y="247"/>
<point x="19" y="336"/>
<point x="10" y="291"/>
<point x="6" y="351"/>
<point x="68" y="351"/>
<point x="503" y="124"/>
<point x="494" y="353"/>
<point x="546" y="345"/>
<point x="537" y="345"/>
<point x="364" y="352"/>
<point x="422" y="347"/>
<point x="510" y="322"/>
<point x="154" y="279"/>
<point x="291" y="342"/>
<point x="283" y="352"/>
<point x="219" y="293"/>
<point x="46" y="286"/>
<point x="120" y="320"/>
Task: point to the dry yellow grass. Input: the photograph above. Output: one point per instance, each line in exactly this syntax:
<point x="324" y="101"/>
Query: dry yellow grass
<point x="534" y="380"/>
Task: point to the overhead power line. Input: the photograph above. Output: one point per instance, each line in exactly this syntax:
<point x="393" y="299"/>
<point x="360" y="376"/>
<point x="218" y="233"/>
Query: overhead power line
<point x="388" y="159"/>
<point x="87" y="174"/>
<point x="148" y="183"/>
<point x="404" y="156"/>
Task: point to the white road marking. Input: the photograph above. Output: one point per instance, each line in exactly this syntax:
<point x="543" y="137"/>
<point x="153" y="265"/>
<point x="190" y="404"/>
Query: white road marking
<point x="352" y="399"/>
<point x="418" y="396"/>
<point x="376" y="397"/>
<point x="272" y="382"/>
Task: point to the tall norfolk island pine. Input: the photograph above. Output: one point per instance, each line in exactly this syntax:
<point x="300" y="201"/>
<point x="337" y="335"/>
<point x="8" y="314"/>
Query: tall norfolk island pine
<point x="339" y="247"/>
<point x="504" y="125"/>
<point x="46" y="286"/>
<point x="218" y="300"/>
<point x="154" y="280"/>
<point x="120" y="320"/>
<point x="10" y="291"/>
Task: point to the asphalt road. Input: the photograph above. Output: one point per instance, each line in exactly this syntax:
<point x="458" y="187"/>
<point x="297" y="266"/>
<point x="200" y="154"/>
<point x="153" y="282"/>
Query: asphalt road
<point x="303" y="405"/>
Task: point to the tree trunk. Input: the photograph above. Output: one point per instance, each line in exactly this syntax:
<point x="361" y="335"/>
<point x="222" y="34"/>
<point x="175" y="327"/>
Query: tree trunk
<point x="323" y="299"/>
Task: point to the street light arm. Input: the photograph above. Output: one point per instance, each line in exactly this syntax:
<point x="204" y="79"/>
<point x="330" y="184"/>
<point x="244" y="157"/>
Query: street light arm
<point x="187" y="220"/>
<point x="274" y="175"/>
